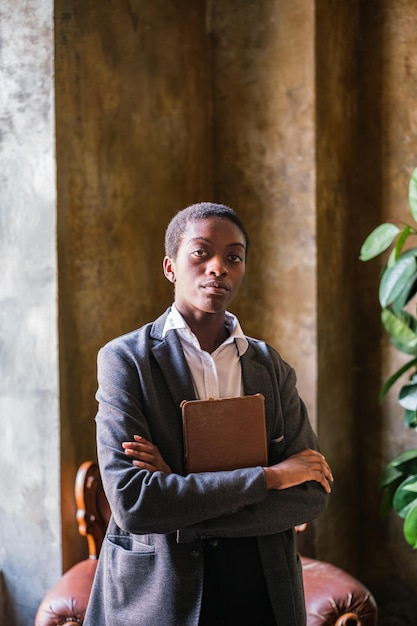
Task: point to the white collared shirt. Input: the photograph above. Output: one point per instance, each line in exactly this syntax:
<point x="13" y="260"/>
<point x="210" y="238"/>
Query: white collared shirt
<point x="215" y="375"/>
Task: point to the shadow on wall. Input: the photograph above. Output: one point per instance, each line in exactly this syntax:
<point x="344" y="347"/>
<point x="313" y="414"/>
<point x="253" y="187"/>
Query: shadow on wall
<point x="5" y="616"/>
<point x="399" y="607"/>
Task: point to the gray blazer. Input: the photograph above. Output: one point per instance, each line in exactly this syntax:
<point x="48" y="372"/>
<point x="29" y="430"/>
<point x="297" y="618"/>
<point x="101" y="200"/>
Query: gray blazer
<point x="150" y="570"/>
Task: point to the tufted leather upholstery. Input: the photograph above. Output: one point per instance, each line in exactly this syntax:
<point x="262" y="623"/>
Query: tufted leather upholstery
<point x="333" y="597"/>
<point x="66" y="602"/>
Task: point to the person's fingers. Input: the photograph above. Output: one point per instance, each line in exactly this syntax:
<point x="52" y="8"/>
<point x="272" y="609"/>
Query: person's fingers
<point x="318" y="461"/>
<point x="145" y="455"/>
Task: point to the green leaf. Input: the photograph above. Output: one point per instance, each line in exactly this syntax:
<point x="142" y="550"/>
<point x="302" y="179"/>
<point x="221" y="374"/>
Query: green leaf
<point x="397" y="278"/>
<point x="393" y="379"/>
<point x="412" y="194"/>
<point x="410" y="527"/>
<point x="405" y="496"/>
<point x="410" y="419"/>
<point x="387" y="497"/>
<point x="404" y="297"/>
<point x="378" y="240"/>
<point x="399" y="329"/>
<point x="411" y="486"/>
<point x="398" y="469"/>
<point x="392" y="259"/>
<point x="391" y="476"/>
<point x="407" y="397"/>
<point x="406" y="231"/>
<point x="401" y="466"/>
<point x="408" y="289"/>
<point x="402" y="347"/>
<point x="397" y="249"/>
<point x="404" y="458"/>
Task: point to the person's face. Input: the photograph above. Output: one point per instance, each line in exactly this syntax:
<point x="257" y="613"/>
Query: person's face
<point x="209" y="266"/>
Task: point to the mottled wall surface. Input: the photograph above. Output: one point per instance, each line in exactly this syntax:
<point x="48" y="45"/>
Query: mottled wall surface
<point x="263" y="69"/>
<point x="141" y="133"/>
<point x="30" y="529"/>
<point x="264" y="166"/>
<point x="133" y="147"/>
<point x="336" y="58"/>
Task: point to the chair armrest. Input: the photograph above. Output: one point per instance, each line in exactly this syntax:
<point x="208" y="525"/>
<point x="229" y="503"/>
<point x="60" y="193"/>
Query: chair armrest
<point x="335" y="598"/>
<point x="66" y="602"/>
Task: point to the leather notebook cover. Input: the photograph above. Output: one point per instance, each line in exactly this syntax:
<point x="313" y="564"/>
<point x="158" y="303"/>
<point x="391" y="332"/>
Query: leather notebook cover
<point x="224" y="434"/>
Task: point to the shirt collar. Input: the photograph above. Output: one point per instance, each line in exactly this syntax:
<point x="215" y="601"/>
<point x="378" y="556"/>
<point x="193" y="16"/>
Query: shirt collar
<point x="175" y="321"/>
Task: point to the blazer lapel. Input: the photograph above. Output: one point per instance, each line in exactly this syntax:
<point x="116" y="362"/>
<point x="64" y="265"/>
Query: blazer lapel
<point x="170" y="358"/>
<point x="256" y="379"/>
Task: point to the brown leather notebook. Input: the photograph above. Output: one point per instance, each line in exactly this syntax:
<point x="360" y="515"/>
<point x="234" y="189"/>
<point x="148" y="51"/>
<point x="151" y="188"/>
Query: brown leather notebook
<point x="224" y="434"/>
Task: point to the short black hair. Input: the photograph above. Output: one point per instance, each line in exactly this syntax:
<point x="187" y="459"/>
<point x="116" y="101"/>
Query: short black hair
<point x="199" y="211"/>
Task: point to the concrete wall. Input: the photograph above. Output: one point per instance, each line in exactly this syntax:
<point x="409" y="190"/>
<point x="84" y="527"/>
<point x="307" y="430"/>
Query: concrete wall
<point x="300" y="115"/>
<point x="336" y="53"/>
<point x="202" y="131"/>
<point x="264" y="166"/>
<point x="133" y="147"/>
<point x="30" y="521"/>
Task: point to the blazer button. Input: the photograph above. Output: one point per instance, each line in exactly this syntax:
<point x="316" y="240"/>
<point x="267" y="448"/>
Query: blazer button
<point x="194" y="554"/>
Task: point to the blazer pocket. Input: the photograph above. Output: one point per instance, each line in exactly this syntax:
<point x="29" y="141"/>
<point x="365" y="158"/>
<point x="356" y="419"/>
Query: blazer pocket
<point x="125" y="560"/>
<point x="131" y="543"/>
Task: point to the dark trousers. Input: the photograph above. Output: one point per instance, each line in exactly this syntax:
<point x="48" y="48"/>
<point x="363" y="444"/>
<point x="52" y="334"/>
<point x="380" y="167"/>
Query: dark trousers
<point x="234" y="592"/>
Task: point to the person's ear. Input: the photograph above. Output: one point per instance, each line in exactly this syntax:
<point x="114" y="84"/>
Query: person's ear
<point x="168" y="266"/>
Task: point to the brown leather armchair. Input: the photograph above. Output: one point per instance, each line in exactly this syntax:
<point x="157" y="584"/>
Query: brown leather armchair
<point x="333" y="597"/>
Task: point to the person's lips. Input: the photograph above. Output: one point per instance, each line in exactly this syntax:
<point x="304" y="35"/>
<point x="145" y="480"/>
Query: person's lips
<point x="216" y="286"/>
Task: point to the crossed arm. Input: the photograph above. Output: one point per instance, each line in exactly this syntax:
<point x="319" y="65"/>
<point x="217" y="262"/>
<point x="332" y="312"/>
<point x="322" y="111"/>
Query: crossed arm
<point x="299" y="468"/>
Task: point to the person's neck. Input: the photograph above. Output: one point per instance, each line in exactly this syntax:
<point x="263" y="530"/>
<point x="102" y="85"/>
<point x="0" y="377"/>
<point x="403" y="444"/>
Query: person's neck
<point x="209" y="328"/>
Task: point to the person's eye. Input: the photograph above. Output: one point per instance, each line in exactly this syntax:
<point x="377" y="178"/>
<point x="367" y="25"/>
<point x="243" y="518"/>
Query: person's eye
<point x="236" y="258"/>
<point x="199" y="252"/>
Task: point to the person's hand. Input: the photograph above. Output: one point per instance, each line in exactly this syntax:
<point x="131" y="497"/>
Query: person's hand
<point x="299" y="468"/>
<point x="145" y="455"/>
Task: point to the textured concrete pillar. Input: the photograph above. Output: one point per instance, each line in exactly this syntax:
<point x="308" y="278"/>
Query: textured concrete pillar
<point x="264" y="166"/>
<point x="263" y="69"/>
<point x="133" y="147"/>
<point x="336" y="55"/>
<point x="30" y="529"/>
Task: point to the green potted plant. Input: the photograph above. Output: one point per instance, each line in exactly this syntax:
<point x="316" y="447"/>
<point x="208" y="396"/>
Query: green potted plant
<point x="397" y="288"/>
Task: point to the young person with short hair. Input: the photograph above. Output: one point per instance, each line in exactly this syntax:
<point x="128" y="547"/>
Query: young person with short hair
<point x="209" y="548"/>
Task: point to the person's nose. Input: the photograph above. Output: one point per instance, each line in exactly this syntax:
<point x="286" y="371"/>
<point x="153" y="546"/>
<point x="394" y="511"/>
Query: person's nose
<point x="217" y="267"/>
